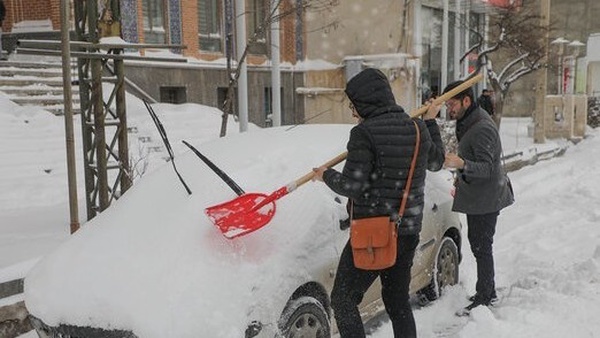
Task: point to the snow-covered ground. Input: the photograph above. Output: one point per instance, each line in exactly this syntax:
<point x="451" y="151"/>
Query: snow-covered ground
<point x="547" y="252"/>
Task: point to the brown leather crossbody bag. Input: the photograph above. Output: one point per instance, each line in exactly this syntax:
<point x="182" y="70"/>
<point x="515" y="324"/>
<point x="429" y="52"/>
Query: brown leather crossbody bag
<point x="374" y="240"/>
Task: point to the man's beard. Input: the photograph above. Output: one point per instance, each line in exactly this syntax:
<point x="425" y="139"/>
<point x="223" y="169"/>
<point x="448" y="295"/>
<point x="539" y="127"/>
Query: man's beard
<point x="459" y="114"/>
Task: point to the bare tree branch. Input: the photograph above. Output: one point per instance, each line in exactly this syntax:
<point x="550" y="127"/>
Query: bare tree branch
<point x="260" y="31"/>
<point x="516" y="42"/>
<point x="511" y="64"/>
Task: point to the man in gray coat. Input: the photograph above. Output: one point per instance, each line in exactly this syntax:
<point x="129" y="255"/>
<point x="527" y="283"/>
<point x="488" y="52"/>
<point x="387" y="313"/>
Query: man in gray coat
<point x="482" y="187"/>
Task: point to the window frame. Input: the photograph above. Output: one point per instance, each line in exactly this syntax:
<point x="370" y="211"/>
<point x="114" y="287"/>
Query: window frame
<point x="256" y="14"/>
<point x="214" y="36"/>
<point x="150" y="11"/>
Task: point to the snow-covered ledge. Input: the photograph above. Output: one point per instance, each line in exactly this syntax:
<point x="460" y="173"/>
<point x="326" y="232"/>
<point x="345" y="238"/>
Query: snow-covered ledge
<point x="314" y="91"/>
<point x="32" y="26"/>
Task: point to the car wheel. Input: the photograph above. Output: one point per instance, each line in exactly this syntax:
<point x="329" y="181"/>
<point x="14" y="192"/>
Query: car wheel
<point x="304" y="317"/>
<point x="447" y="261"/>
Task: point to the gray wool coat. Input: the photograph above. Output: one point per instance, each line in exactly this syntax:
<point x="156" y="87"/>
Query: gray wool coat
<point x="482" y="186"/>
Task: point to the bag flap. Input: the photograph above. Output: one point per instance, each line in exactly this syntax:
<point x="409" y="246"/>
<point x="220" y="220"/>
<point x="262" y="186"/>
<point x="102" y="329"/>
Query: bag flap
<point x="372" y="232"/>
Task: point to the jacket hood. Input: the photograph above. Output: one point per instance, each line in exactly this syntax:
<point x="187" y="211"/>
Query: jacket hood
<point x="370" y="92"/>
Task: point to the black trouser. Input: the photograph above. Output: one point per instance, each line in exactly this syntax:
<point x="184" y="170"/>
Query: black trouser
<point x="352" y="283"/>
<point x="481" y="237"/>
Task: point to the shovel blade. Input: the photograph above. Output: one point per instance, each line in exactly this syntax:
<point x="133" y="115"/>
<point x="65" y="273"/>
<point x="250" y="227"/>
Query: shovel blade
<point x="238" y="217"/>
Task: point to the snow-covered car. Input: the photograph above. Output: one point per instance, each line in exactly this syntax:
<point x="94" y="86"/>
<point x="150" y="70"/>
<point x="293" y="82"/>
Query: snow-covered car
<point x="154" y="265"/>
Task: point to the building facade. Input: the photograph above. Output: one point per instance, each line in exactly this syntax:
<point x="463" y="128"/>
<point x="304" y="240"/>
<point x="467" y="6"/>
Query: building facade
<point x="322" y="44"/>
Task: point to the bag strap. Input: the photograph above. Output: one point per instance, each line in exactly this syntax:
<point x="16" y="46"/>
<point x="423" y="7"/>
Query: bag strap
<point x="411" y="172"/>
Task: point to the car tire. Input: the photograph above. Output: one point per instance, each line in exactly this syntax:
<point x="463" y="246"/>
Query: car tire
<point x="304" y="317"/>
<point x="447" y="261"/>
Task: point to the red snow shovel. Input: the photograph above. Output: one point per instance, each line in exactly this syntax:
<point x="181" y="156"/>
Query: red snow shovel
<point x="251" y="211"/>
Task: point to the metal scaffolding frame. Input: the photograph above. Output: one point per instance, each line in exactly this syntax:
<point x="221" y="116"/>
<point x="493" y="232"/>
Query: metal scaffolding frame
<point x="103" y="122"/>
<point x="107" y="169"/>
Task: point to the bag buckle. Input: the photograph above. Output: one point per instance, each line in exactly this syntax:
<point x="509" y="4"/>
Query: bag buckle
<point x="398" y="221"/>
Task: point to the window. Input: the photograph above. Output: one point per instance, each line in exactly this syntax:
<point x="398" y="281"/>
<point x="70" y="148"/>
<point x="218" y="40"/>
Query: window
<point x="268" y="105"/>
<point x="432" y="49"/>
<point x="257" y="11"/>
<point x="153" y="12"/>
<point x="174" y="95"/>
<point x="209" y="25"/>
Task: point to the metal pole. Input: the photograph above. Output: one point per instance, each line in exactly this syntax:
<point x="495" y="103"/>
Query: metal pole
<point x="100" y="141"/>
<point x="457" y="45"/>
<point x="69" y="133"/>
<point x="486" y="39"/>
<point x="240" y="27"/>
<point x="126" y="179"/>
<point x="467" y="36"/>
<point x="418" y="48"/>
<point x="539" y="135"/>
<point x="275" y="71"/>
<point x="444" y="75"/>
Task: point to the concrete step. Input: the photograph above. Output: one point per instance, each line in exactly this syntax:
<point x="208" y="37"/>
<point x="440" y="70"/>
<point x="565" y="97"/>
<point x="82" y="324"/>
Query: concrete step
<point x="35" y="65"/>
<point x="22" y="81"/>
<point x="57" y="110"/>
<point x="37" y="90"/>
<point x="14" y="72"/>
<point x="11" y="288"/>
<point x="38" y="83"/>
<point x="41" y="100"/>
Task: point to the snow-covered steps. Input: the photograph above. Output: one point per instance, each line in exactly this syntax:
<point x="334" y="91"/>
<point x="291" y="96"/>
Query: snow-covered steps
<point x="10" y="71"/>
<point x="37" y="83"/>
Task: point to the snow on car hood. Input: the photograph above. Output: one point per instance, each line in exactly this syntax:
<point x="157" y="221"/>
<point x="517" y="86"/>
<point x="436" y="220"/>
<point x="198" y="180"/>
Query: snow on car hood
<point x="154" y="264"/>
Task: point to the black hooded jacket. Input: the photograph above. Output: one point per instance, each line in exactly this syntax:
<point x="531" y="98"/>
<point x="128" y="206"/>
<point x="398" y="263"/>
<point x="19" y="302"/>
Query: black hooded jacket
<point x="380" y="151"/>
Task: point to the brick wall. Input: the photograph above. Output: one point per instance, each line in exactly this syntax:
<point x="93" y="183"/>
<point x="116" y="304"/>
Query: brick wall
<point x="189" y="23"/>
<point x="55" y="13"/>
<point x="140" y="21"/>
<point x="288" y="41"/>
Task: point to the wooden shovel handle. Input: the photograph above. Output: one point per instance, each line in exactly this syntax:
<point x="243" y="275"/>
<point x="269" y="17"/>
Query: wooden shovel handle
<point x="339" y="158"/>
<point x="450" y="94"/>
<point x="416" y="113"/>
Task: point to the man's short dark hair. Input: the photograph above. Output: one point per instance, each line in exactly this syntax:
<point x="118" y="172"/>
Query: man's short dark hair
<point x="465" y="93"/>
<point x="485" y="91"/>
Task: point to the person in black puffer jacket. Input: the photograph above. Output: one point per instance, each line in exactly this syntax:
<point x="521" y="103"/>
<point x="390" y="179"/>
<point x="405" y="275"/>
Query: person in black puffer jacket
<point x="380" y="151"/>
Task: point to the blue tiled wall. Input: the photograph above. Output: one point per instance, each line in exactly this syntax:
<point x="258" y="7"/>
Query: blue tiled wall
<point x="175" y="22"/>
<point x="129" y="21"/>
